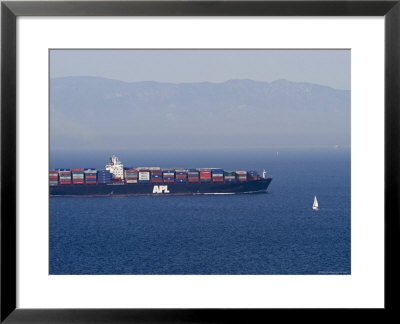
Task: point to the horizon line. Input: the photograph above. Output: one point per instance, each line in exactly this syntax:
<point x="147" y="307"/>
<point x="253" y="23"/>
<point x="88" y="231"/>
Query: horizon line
<point x="196" y="82"/>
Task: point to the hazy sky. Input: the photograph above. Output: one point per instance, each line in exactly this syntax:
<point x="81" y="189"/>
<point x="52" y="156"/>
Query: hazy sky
<point x="88" y="113"/>
<point x="325" y="67"/>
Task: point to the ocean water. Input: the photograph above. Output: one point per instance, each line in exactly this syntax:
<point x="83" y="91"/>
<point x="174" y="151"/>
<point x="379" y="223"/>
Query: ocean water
<point x="272" y="233"/>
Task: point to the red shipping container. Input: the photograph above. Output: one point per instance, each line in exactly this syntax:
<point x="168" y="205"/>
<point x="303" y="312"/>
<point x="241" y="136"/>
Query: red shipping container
<point x="76" y="170"/>
<point x="205" y="174"/>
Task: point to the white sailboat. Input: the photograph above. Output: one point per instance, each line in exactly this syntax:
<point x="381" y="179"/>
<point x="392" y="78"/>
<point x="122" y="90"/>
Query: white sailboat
<point x="315" y="205"/>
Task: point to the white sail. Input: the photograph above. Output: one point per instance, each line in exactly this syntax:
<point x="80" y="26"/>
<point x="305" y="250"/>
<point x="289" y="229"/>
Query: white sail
<point x="315" y="205"/>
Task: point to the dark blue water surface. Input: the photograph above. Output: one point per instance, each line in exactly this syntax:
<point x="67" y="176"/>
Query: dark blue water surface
<point x="272" y="233"/>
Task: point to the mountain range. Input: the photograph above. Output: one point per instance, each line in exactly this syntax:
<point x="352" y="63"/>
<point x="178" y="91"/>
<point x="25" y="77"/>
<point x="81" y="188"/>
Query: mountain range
<point x="103" y="114"/>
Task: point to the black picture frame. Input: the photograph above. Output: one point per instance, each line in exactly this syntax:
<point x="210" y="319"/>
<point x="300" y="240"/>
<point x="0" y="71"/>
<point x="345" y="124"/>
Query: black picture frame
<point x="10" y="10"/>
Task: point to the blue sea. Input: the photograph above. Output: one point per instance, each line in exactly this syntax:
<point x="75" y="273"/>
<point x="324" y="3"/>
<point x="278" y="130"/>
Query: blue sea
<point x="272" y="233"/>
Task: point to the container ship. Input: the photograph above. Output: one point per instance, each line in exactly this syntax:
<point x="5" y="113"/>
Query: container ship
<point x="117" y="180"/>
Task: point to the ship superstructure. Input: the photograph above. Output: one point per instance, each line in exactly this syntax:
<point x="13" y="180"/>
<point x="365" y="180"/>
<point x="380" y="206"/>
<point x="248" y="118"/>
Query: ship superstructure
<point x="116" y="168"/>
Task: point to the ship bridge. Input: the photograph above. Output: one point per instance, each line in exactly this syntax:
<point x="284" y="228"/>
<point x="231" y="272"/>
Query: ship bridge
<point x="115" y="167"/>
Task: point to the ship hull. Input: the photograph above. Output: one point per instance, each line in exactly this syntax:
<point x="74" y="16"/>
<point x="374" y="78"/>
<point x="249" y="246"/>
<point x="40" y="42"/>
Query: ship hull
<point x="161" y="189"/>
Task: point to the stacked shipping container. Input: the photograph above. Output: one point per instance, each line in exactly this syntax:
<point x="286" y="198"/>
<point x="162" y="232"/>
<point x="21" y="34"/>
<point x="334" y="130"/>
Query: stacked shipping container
<point x="156" y="176"/>
<point x="90" y="176"/>
<point x="241" y="175"/>
<point x="193" y="176"/>
<point x="168" y="175"/>
<point x="205" y="176"/>
<point x="149" y="175"/>
<point x="181" y="176"/>
<point x="53" y="177"/>
<point x="103" y="176"/>
<point x="252" y="175"/>
<point x="131" y="176"/>
<point x="144" y="176"/>
<point x="65" y="176"/>
<point x="78" y="177"/>
<point x="229" y="176"/>
<point x="217" y="175"/>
